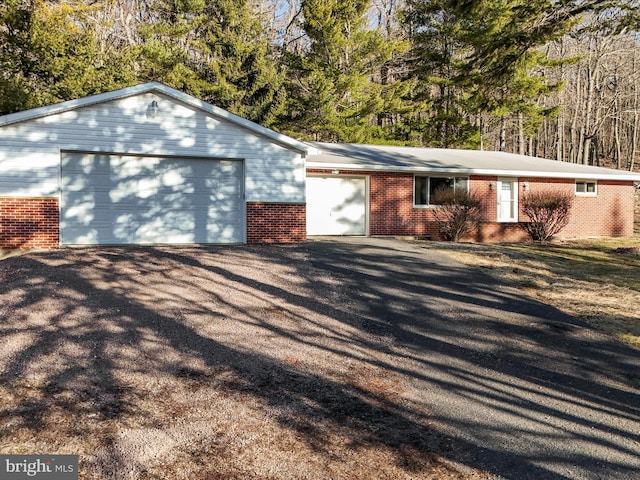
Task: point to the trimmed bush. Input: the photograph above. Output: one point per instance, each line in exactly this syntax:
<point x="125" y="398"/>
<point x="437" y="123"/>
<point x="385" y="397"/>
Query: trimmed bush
<point x="548" y="213"/>
<point x="457" y="213"/>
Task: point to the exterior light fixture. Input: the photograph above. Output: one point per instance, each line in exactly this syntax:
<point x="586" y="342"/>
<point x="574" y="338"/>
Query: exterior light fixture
<point x="152" y="109"/>
<point x="525" y="186"/>
<point x="492" y="185"/>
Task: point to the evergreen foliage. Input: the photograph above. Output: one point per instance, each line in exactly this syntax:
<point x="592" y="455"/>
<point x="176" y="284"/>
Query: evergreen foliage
<point x="437" y="62"/>
<point x="502" y="72"/>
<point x="241" y="64"/>
<point x="332" y="94"/>
<point x="215" y="50"/>
<point x="480" y="60"/>
<point x="438" y="73"/>
<point x="49" y="53"/>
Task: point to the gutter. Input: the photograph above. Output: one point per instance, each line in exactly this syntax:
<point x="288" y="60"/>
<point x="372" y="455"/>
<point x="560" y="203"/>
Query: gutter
<point x="622" y="176"/>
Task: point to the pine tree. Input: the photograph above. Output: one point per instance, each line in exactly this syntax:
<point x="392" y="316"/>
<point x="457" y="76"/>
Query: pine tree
<point x="332" y="93"/>
<point x="481" y="59"/>
<point x="16" y="63"/>
<point x="217" y="51"/>
<point x="438" y="56"/>
<point x="502" y="71"/>
<point x="242" y="67"/>
<point x="169" y="50"/>
<point x="49" y="53"/>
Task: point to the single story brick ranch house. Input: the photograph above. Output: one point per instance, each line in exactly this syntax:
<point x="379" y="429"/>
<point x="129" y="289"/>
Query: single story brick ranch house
<point x="151" y="165"/>
<point x="384" y="190"/>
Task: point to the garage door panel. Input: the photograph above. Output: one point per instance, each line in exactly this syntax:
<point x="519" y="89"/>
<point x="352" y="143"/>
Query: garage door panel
<point x="336" y="205"/>
<point x="110" y="199"/>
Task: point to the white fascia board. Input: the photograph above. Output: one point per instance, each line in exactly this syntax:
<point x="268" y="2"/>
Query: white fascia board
<point x="48" y="110"/>
<point x="158" y="87"/>
<point x="311" y="150"/>
<point x="622" y="176"/>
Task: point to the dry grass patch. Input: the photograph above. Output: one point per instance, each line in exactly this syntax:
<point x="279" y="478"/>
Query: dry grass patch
<point x="4" y="254"/>
<point x="174" y="429"/>
<point x="596" y="280"/>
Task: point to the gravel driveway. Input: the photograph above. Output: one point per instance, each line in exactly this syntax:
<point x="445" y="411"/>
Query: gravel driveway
<point x="344" y="358"/>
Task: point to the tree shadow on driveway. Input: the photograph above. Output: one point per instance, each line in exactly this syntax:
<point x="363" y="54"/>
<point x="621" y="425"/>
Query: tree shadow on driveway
<point x="374" y="347"/>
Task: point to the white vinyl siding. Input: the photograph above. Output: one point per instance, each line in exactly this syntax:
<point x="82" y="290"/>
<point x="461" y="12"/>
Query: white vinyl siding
<point x="30" y="150"/>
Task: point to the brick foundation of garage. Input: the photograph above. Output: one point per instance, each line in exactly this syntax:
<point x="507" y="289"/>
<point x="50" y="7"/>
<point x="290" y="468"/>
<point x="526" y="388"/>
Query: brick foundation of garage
<point x="27" y="222"/>
<point x="276" y="222"/>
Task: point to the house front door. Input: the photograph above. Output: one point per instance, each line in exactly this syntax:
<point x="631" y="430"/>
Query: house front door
<point x="507" y="200"/>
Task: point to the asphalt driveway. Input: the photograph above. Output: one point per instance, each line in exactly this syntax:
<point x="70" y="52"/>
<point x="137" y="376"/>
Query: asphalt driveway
<point x="364" y="358"/>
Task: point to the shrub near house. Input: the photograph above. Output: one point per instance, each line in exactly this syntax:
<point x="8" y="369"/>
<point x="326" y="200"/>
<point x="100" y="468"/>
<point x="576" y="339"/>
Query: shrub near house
<point x="548" y="211"/>
<point x="458" y="213"/>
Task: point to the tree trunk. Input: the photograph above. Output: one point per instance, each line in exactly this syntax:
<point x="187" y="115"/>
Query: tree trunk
<point x="503" y="133"/>
<point x="634" y="132"/>
<point x="617" y="152"/>
<point x="576" y="141"/>
<point x="636" y="119"/>
<point x="520" y="135"/>
<point x="586" y="150"/>
<point x="560" y="139"/>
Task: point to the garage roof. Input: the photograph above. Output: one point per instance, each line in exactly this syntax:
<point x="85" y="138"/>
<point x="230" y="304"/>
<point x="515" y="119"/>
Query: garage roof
<point x="439" y="160"/>
<point x="161" y="88"/>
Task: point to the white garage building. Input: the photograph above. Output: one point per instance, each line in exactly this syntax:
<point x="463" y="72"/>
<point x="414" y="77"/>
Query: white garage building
<point x="144" y="165"/>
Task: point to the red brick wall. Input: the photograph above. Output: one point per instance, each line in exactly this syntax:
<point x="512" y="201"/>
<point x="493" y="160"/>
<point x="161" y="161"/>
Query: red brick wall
<point x="608" y="214"/>
<point x="490" y="230"/>
<point x="391" y="206"/>
<point x="391" y="210"/>
<point x="29" y="222"/>
<point x="276" y="222"/>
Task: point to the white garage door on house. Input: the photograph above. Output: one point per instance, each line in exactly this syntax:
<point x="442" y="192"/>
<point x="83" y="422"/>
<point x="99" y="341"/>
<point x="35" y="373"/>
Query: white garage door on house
<point x="125" y="199"/>
<point x="336" y="205"/>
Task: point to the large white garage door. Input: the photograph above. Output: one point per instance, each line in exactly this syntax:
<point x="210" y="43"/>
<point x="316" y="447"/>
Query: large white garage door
<point x="336" y="206"/>
<point x="120" y="199"/>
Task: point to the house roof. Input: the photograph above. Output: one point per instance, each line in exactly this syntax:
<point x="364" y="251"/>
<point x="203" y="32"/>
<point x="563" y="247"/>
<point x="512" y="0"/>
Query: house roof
<point x="466" y="162"/>
<point x="35" y="113"/>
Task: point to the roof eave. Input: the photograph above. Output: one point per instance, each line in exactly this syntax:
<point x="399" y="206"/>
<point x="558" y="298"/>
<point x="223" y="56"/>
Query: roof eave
<point x="623" y="176"/>
<point x="68" y="105"/>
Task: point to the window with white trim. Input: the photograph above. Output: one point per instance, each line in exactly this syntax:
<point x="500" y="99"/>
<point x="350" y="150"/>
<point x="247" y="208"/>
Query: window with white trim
<point x="426" y="187"/>
<point x="584" y="187"/>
